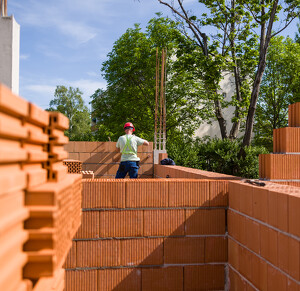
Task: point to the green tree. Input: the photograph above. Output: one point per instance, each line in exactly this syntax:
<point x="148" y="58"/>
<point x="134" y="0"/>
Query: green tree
<point x="130" y="74"/>
<point x="239" y="44"/>
<point x="279" y="88"/>
<point x="69" y="102"/>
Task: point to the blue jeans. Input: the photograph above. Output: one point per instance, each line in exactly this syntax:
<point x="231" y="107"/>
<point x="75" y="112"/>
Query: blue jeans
<point x="125" y="167"/>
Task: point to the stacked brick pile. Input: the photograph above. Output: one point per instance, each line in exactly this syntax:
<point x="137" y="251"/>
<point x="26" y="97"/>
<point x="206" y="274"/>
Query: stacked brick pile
<point x="74" y="166"/>
<point x="154" y="234"/>
<point x="283" y="166"/>
<point x="264" y="237"/>
<point x="40" y="202"/>
<point x="13" y="183"/>
<point x="103" y="158"/>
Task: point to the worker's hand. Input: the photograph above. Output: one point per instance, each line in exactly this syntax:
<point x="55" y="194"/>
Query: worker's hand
<point x="146" y="143"/>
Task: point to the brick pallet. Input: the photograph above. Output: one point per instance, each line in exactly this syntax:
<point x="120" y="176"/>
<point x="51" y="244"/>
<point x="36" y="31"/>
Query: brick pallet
<point x="40" y="202"/>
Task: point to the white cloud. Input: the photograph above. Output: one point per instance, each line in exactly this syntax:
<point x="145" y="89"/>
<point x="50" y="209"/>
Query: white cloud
<point x="42" y="89"/>
<point x="24" y="57"/>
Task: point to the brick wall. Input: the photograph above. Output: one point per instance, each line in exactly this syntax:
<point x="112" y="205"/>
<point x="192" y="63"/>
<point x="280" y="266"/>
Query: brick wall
<point x="155" y="234"/>
<point x="40" y="203"/>
<point x="103" y="158"/>
<point x="264" y="237"/>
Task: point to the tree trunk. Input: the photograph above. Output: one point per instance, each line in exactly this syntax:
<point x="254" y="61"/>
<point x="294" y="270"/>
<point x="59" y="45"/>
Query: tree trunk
<point x="220" y="118"/>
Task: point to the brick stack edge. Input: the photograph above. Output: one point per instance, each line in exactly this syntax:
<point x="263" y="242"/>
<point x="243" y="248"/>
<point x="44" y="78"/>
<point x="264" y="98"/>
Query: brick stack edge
<point x="150" y="234"/>
<point x="74" y="166"/>
<point x="283" y="166"/>
<point x="103" y="158"/>
<point x="40" y="203"/>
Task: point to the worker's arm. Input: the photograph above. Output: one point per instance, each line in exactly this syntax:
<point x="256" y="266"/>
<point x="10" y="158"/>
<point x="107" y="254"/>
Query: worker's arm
<point x="146" y="143"/>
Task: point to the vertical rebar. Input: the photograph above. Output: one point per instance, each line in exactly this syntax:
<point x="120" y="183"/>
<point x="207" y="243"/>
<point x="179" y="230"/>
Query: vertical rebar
<point x="164" y="97"/>
<point x="161" y="98"/>
<point x="156" y="99"/>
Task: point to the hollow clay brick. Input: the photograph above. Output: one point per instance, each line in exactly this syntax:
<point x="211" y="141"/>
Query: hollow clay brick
<point x="188" y="193"/>
<point x="164" y="222"/>
<point x="11" y="151"/>
<point x="234" y="193"/>
<point x="84" y="157"/>
<point x="259" y="271"/>
<point x="120" y="279"/>
<point x="147" y="193"/>
<point x="146" y="149"/>
<point x="71" y="260"/>
<point x="58" y="121"/>
<point x="38" y="116"/>
<point x="260" y="204"/>
<point x="205" y="221"/>
<point x="106" y="253"/>
<point x="277" y="281"/>
<point x="282" y="211"/>
<point x="283" y="250"/>
<point x="244" y="263"/>
<point x="233" y="254"/>
<point x="294" y="214"/>
<point x="189" y="250"/>
<point x="11" y="103"/>
<point x="73" y="156"/>
<point x="10" y="203"/>
<point x="206" y="277"/>
<point x="127" y="223"/>
<point x="12" y="128"/>
<point x="218" y="193"/>
<point x="294" y="258"/>
<point x="11" y="178"/>
<point x="242" y="229"/>
<point x="35" y="176"/>
<point x="142" y="252"/>
<point x="81" y="280"/>
<point x="162" y="279"/>
<point x="294" y="115"/>
<point x="145" y="158"/>
<point x="246" y="198"/>
<point x="146" y="169"/>
<point x="236" y="282"/>
<point x="103" y="194"/>
<point x="233" y="224"/>
<point x="288" y="140"/>
<point x="253" y="235"/>
<point x="216" y="249"/>
<point x="89" y="228"/>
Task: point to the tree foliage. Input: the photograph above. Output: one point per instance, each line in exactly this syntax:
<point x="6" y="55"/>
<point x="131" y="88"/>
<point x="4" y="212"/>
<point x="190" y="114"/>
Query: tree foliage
<point x="239" y="44"/>
<point x="279" y="88"/>
<point x="69" y="102"/>
<point x="130" y="72"/>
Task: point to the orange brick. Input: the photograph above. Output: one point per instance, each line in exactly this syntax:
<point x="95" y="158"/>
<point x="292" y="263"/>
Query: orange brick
<point x="164" y="222"/>
<point x="233" y="254"/>
<point x="38" y="115"/>
<point x="294" y="258"/>
<point x="192" y="193"/>
<point x="294" y="214"/>
<point x="218" y="194"/>
<point x="244" y="263"/>
<point x="282" y="211"/>
<point x="147" y="193"/>
<point x="161" y="279"/>
<point x="294" y="113"/>
<point x="205" y="221"/>
<point x="127" y="223"/>
<point x="207" y="277"/>
<point x="81" y="280"/>
<point x="120" y="279"/>
<point x="277" y="281"/>
<point x="103" y="194"/>
<point x="233" y="224"/>
<point x="292" y="285"/>
<point x="253" y="235"/>
<point x="234" y="193"/>
<point x="283" y="247"/>
<point x="89" y="228"/>
<point x="243" y="222"/>
<point x="11" y="103"/>
<point x="58" y="121"/>
<point x="84" y="157"/>
<point x="106" y="253"/>
<point x="71" y="260"/>
<point x="246" y="199"/>
<point x="236" y="281"/>
<point x="259" y="271"/>
<point x="187" y="250"/>
<point x="260" y="204"/>
<point x="216" y="249"/>
<point x="144" y="251"/>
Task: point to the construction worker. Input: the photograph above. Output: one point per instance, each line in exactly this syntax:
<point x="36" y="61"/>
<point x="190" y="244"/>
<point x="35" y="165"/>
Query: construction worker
<point x="128" y="144"/>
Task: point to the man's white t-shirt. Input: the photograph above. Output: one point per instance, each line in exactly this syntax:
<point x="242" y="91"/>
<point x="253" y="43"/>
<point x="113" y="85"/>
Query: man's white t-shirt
<point x="129" y="153"/>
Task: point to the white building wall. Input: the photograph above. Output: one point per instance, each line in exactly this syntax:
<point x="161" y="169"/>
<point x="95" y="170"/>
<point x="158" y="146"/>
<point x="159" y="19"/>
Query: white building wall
<point x="213" y="130"/>
<point x="10" y="53"/>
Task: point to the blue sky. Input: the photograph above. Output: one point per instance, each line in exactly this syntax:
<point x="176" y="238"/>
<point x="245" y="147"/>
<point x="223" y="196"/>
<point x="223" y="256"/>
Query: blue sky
<point x="64" y="42"/>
